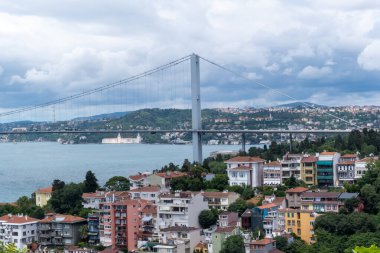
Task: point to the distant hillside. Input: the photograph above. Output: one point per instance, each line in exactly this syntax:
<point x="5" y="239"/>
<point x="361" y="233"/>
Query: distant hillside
<point x="302" y="104"/>
<point x="113" y="115"/>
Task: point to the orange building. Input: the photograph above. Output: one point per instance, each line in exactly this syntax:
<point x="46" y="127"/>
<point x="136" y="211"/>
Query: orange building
<point x="300" y="222"/>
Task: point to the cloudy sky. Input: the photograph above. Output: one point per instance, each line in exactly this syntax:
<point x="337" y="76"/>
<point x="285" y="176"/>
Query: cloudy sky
<point x="321" y="51"/>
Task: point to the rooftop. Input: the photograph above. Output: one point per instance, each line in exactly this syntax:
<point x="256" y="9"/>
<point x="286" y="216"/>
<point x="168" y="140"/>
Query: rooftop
<point x="179" y="229"/>
<point x="297" y="190"/>
<point x="273" y="164"/>
<point x="147" y="189"/>
<point x="45" y="190"/>
<point x="171" y="174"/>
<point x="62" y="218"/>
<point x="225" y="229"/>
<point x="17" y="219"/>
<point x="264" y="241"/>
<point x="309" y="159"/>
<point x="245" y="159"/>
<point x="320" y="194"/>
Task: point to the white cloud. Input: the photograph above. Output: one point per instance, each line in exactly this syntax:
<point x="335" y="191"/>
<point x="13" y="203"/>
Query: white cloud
<point x="253" y="76"/>
<point x="1" y="70"/>
<point x="369" y="58"/>
<point x="311" y="72"/>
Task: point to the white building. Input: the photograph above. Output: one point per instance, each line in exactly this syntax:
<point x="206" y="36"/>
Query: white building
<point x="185" y="238"/>
<point x="245" y="170"/>
<point x="139" y="180"/>
<point x="120" y="140"/>
<point x="180" y="209"/>
<point x="361" y="166"/>
<point x="220" y="200"/>
<point x="291" y="166"/>
<point x="272" y="173"/>
<point x="149" y="193"/>
<point x="18" y="229"/>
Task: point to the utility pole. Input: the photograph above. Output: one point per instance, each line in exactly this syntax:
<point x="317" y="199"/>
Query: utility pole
<point x="196" y="108"/>
<point x="243" y="142"/>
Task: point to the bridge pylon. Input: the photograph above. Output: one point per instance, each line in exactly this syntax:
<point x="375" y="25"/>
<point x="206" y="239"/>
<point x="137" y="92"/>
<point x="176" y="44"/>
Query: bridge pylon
<point x="196" y="108"/>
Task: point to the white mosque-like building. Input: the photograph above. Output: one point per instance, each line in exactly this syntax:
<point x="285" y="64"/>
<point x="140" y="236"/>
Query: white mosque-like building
<point x="120" y="140"/>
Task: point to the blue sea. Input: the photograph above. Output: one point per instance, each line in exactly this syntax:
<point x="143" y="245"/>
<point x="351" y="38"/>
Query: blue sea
<point x="25" y="167"/>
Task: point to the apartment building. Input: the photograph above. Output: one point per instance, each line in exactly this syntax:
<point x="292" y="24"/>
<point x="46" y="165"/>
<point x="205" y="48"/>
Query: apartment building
<point x="291" y="166"/>
<point x="93" y="229"/>
<point x="272" y="173"/>
<point x="361" y="166"/>
<point x="184" y="238"/>
<point x="60" y="230"/>
<point x="139" y="180"/>
<point x="149" y="193"/>
<point x="94" y="199"/>
<point x="300" y="222"/>
<point x="219" y="237"/>
<point x="180" y="209"/>
<point x="163" y="179"/>
<point x="264" y="218"/>
<point x="226" y="219"/>
<point x="326" y="169"/>
<point x="265" y="245"/>
<point x="245" y="170"/>
<point x="148" y="230"/>
<point x="43" y="195"/>
<point x="18" y="229"/>
<point x="321" y="202"/>
<point x="220" y="200"/>
<point x="309" y="170"/>
<point x="119" y="224"/>
<point x="293" y="197"/>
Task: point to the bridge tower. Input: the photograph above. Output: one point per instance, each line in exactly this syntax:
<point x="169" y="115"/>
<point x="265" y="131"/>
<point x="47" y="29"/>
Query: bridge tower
<point x="196" y="108"/>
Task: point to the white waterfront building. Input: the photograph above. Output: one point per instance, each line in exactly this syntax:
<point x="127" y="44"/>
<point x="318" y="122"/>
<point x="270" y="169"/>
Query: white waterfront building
<point x="245" y="170"/>
<point x="18" y="229"/>
<point x="120" y="140"/>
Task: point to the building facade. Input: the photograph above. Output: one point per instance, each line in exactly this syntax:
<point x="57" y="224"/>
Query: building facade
<point x="309" y="170"/>
<point x="300" y="222"/>
<point x="326" y="169"/>
<point x="220" y="200"/>
<point x="43" y="195"/>
<point x="291" y="166"/>
<point x="18" y="229"/>
<point x="272" y="174"/>
<point x="245" y="170"/>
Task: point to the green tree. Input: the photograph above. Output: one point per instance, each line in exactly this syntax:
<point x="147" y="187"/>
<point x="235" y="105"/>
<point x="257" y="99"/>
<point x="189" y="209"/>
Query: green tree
<point x="233" y="244"/>
<point x="239" y="206"/>
<point x="207" y="218"/>
<point x="219" y="182"/>
<point x="372" y="249"/>
<point x="57" y="184"/>
<point x="67" y="200"/>
<point x="91" y="182"/>
<point x="117" y="183"/>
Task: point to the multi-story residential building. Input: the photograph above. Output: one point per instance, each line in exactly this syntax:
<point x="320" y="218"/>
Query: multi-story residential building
<point x="361" y="166"/>
<point x="300" y="222"/>
<point x="149" y="193"/>
<point x="245" y="170"/>
<point x="180" y="209"/>
<point x="93" y="229"/>
<point x="94" y="199"/>
<point x="345" y="172"/>
<point x="184" y="238"/>
<point x="309" y="170"/>
<point x="264" y="218"/>
<point x="293" y="197"/>
<point x="272" y="173"/>
<point x="266" y="245"/>
<point x="321" y="202"/>
<point x="291" y="166"/>
<point x="139" y="180"/>
<point x="43" y="195"/>
<point x="326" y="169"/>
<point x="163" y="179"/>
<point x="349" y="157"/>
<point x="120" y="223"/>
<point x="148" y="230"/>
<point x="220" y="235"/>
<point x="220" y="200"/>
<point x="227" y="219"/>
<point x="60" y="230"/>
<point x="18" y="229"/>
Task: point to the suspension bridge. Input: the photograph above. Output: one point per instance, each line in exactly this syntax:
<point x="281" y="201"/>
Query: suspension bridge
<point x="176" y="84"/>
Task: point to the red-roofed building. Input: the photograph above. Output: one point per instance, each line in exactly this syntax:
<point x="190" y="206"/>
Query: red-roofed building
<point x="18" y="229"/>
<point x="60" y="230"/>
<point x="138" y="180"/>
<point x="43" y="195"/>
<point x="93" y="199"/>
<point x="261" y="246"/>
<point x="149" y="193"/>
<point x="245" y="170"/>
<point x="220" y="200"/>
<point x="293" y="197"/>
<point x="163" y="179"/>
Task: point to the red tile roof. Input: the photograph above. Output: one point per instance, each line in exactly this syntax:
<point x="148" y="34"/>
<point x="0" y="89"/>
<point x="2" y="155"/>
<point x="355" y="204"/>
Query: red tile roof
<point x="327" y="153"/>
<point x="45" y="190"/>
<point x="245" y="159"/>
<point x="152" y="188"/>
<point x="297" y="190"/>
<point x="218" y="194"/>
<point x="62" y="218"/>
<point x="349" y="156"/>
<point x="270" y="205"/>
<point x="137" y="177"/>
<point x="149" y="209"/>
<point x="241" y="168"/>
<point x="347" y="163"/>
<point x="273" y="164"/>
<point x="264" y="241"/>
<point x="309" y="159"/>
<point x="171" y="174"/>
<point x="9" y="218"/>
